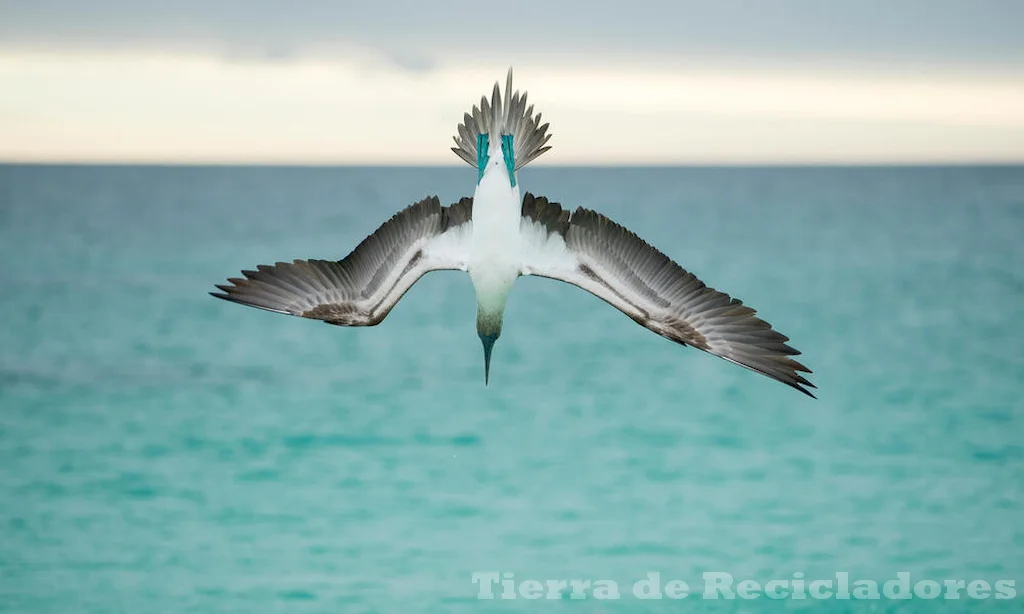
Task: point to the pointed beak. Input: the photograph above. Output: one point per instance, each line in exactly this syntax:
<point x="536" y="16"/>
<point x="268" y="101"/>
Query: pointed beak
<point x="488" y="341"/>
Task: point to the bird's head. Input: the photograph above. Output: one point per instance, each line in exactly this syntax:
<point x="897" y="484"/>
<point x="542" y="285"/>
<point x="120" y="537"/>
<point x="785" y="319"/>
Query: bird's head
<point x="488" y="329"/>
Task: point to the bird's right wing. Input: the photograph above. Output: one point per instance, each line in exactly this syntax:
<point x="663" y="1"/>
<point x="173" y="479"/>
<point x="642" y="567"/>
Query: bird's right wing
<point x="361" y="289"/>
<point x="590" y="251"/>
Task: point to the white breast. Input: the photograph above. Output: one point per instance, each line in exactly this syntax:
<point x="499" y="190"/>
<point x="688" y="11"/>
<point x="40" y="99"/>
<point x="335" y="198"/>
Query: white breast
<point x="497" y="209"/>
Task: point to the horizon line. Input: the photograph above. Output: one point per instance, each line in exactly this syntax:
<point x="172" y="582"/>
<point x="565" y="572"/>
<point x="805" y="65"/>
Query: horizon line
<point x="624" y="165"/>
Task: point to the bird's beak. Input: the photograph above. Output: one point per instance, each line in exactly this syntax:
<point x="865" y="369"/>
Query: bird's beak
<point x="488" y="341"/>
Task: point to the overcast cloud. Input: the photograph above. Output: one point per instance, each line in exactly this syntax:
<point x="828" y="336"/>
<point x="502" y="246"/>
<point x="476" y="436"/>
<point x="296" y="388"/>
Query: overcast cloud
<point x="874" y="34"/>
<point x="623" y="81"/>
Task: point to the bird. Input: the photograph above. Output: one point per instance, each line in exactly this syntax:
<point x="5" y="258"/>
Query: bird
<point x="498" y="235"/>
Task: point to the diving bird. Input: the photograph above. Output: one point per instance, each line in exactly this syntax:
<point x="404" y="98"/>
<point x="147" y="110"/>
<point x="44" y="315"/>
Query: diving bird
<point x="498" y="235"/>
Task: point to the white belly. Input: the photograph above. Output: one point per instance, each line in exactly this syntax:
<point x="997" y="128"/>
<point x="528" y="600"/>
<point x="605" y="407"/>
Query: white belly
<point x="494" y="262"/>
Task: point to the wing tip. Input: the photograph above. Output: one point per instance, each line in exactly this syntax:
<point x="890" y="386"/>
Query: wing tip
<point x="801" y="387"/>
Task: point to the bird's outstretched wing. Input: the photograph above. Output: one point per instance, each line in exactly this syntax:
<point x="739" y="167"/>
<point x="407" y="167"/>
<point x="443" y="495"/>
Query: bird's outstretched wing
<point x="361" y="289"/>
<point x="588" y="250"/>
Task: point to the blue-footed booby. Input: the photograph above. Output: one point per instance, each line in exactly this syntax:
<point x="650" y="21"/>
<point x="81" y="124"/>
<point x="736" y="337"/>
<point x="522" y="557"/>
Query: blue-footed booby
<point x="498" y="235"/>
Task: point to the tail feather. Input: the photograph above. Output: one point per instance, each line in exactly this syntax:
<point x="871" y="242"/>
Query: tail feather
<point x="503" y="115"/>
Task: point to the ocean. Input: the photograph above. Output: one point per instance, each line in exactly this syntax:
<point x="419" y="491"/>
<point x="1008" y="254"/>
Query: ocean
<point x="163" y="451"/>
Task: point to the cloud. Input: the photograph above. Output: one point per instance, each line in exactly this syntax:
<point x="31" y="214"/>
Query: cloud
<point x="875" y="34"/>
<point x="642" y="81"/>
<point x="168" y="108"/>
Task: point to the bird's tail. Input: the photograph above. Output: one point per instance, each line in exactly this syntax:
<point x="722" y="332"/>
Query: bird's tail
<point x="505" y="115"/>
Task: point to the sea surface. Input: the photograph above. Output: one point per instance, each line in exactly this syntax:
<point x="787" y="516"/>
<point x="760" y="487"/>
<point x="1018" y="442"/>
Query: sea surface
<point x="165" y="452"/>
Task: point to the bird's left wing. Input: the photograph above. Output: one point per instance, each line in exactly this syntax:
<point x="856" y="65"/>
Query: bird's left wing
<point x="361" y="289"/>
<point x="590" y="251"/>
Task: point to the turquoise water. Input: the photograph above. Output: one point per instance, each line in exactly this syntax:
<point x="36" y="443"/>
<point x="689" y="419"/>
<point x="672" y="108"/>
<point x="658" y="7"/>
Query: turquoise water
<point x="162" y="451"/>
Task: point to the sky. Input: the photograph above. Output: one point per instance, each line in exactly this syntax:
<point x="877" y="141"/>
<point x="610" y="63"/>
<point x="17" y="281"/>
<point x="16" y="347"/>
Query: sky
<point x="639" y="82"/>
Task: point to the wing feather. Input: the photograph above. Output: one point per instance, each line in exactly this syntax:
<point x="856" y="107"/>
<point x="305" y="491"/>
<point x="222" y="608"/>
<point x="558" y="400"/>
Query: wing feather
<point x="592" y="252"/>
<point x="362" y="288"/>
